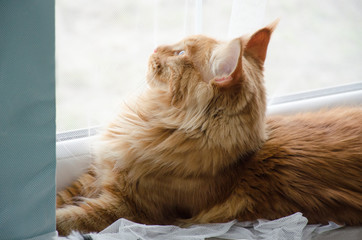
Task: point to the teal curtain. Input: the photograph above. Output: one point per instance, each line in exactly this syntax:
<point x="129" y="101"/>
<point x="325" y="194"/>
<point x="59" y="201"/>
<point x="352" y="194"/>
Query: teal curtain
<point x="27" y="119"/>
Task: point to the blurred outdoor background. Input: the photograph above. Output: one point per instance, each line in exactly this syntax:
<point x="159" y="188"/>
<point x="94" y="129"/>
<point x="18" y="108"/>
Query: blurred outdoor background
<point x="102" y="47"/>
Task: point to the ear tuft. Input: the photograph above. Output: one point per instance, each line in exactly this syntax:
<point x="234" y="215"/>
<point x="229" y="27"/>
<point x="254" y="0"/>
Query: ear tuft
<point x="272" y="26"/>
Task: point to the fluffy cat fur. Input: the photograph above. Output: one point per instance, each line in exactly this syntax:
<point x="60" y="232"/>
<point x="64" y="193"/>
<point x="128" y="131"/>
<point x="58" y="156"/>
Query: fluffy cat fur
<point x="196" y="147"/>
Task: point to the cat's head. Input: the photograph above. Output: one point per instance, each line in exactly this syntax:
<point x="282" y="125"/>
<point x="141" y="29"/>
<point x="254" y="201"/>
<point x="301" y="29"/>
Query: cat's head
<point x="199" y="71"/>
<point x="205" y="108"/>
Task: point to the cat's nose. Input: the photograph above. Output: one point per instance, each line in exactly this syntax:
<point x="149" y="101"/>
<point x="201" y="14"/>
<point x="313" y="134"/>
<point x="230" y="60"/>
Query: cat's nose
<point x="154" y="51"/>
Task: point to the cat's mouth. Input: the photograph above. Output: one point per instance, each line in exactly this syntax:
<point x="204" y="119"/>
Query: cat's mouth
<point x="155" y="64"/>
<point x="154" y="70"/>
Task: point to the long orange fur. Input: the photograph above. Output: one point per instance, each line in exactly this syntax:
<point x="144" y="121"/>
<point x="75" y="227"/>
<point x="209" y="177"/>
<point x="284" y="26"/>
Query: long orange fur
<point x="196" y="147"/>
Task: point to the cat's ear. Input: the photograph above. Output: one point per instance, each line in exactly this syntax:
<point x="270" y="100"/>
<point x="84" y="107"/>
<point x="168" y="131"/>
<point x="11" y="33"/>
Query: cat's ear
<point x="226" y="63"/>
<point x="257" y="44"/>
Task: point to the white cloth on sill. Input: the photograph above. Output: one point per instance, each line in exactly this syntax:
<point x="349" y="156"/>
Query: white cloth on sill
<point x="293" y="227"/>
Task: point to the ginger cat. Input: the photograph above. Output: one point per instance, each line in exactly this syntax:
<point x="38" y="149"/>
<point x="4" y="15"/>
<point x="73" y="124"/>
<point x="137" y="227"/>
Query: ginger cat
<point x="196" y="147"/>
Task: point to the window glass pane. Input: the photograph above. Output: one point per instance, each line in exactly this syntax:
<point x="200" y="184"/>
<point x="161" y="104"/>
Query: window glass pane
<point x="103" y="46"/>
<point x="316" y="45"/>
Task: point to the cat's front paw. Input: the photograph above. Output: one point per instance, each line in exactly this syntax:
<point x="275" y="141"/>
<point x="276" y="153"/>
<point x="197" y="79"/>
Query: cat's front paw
<point x="64" y="223"/>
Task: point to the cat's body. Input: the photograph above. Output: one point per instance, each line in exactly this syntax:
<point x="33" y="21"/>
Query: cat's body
<point x="311" y="163"/>
<point x="196" y="148"/>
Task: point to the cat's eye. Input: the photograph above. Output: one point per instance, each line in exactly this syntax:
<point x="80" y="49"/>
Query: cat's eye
<point x="181" y="52"/>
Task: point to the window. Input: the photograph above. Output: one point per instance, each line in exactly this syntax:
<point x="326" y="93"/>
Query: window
<point x="103" y="46"/>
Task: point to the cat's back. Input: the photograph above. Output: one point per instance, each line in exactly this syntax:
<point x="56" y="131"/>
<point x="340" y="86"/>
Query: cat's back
<point x="329" y="131"/>
<point x="312" y="163"/>
<point x="327" y="143"/>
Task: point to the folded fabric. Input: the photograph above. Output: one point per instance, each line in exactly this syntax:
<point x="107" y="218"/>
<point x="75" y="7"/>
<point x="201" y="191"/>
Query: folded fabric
<point x="293" y="227"/>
